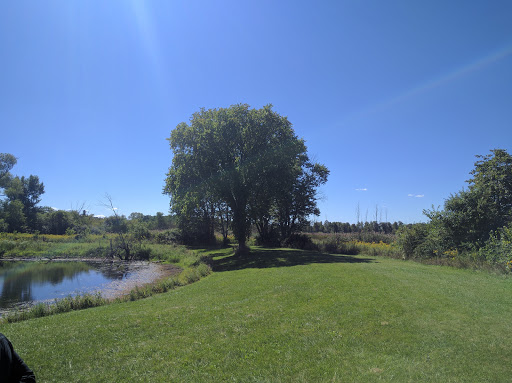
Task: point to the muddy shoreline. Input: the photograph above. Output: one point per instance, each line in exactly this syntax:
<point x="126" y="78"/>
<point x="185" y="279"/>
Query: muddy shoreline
<point x="153" y="273"/>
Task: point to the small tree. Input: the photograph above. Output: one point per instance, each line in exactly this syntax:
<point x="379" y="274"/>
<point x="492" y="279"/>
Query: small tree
<point x="26" y="191"/>
<point x="123" y="246"/>
<point x="59" y="222"/>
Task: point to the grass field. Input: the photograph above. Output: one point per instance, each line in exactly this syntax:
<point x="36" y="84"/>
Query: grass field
<point x="288" y="316"/>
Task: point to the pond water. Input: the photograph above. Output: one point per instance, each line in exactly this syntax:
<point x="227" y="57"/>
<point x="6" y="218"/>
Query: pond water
<point x="25" y="283"/>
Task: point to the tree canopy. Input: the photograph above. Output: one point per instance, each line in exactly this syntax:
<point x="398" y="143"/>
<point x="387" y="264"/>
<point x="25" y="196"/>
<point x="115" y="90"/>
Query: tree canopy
<point x="7" y="162"/>
<point x="18" y="211"/>
<point x="236" y="167"/>
<point x="472" y="219"/>
<point x="470" y="216"/>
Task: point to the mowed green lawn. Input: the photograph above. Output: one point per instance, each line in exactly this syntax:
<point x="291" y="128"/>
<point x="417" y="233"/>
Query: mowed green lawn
<point x="288" y="316"/>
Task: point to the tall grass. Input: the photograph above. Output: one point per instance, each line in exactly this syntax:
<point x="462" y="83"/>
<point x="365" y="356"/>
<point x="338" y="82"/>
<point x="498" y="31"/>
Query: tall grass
<point x="22" y="245"/>
<point x="373" y="244"/>
<point x="364" y="236"/>
<point x="67" y="304"/>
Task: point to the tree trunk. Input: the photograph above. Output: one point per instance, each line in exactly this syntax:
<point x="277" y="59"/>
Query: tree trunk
<point x="240" y="227"/>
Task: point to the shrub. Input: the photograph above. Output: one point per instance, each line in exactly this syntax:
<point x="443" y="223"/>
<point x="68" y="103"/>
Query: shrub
<point x="338" y="244"/>
<point x="409" y="238"/>
<point x="268" y="239"/>
<point x="168" y="237"/>
<point x="143" y="253"/>
<point x="498" y="248"/>
<point x="203" y="269"/>
<point x="300" y="241"/>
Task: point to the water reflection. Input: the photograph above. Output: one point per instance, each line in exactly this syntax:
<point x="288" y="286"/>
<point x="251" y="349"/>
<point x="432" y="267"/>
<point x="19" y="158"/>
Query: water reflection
<point x="26" y="282"/>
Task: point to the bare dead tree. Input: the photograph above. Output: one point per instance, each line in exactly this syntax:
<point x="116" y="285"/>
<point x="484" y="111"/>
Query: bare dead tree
<point x="122" y="249"/>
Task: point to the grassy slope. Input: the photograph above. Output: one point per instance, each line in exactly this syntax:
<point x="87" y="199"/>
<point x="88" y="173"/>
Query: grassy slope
<point x="288" y="316"/>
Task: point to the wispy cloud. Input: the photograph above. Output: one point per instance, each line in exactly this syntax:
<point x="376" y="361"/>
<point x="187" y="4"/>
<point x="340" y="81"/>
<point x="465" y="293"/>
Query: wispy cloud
<point x="362" y="189"/>
<point x="99" y="216"/>
<point x="416" y="195"/>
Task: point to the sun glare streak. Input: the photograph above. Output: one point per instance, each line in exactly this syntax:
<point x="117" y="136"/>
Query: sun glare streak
<point x="146" y="27"/>
<point x="437" y="82"/>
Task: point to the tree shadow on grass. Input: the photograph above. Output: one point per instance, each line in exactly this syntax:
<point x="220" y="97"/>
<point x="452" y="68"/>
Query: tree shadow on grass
<point x="265" y="258"/>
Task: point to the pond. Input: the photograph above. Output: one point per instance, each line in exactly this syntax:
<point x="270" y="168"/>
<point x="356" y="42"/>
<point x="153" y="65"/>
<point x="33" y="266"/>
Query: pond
<point x="26" y="283"/>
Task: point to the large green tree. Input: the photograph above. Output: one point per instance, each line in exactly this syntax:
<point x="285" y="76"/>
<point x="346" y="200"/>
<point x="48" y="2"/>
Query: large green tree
<point x="245" y="164"/>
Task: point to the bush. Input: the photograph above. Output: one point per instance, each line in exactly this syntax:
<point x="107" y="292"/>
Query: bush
<point x="300" y="241"/>
<point x="203" y="269"/>
<point x="67" y="304"/>
<point x="498" y="248"/>
<point x="168" y="237"/>
<point x="409" y="238"/>
<point x="139" y="231"/>
<point x="143" y="253"/>
<point x="268" y="239"/>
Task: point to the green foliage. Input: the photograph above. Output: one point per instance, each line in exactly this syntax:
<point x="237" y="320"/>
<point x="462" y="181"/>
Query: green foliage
<point x="159" y="221"/>
<point x="19" y="211"/>
<point x="79" y="302"/>
<point x="27" y="192"/>
<point x="498" y="249"/>
<point x="412" y="240"/>
<point x="365" y="228"/>
<point x="237" y="166"/>
<point x="140" y="231"/>
<point x="7" y="162"/>
<point x="168" y="237"/>
<point x="269" y="237"/>
<point x="116" y="224"/>
<point x="492" y="178"/>
<point x="300" y="241"/>
<point x="59" y="222"/>
<point x="13" y="245"/>
<point x="471" y="215"/>
<point x="353" y="244"/>
<point x="335" y="244"/>
<point x="368" y="237"/>
<point x="4" y="226"/>
<point x="15" y="217"/>
<point x="473" y="229"/>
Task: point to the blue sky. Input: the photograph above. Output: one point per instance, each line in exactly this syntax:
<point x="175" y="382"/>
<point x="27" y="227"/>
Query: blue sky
<point x="394" y="97"/>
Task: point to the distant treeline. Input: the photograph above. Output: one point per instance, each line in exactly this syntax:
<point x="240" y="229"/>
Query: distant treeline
<point x="73" y="222"/>
<point x="346" y="227"/>
<point x="19" y="210"/>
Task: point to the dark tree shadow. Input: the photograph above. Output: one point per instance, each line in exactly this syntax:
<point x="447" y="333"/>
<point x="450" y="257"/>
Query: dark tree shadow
<point x="265" y="258"/>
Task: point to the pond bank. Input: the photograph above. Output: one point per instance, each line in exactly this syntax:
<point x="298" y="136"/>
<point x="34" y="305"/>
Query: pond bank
<point x="27" y="282"/>
<point x="148" y="275"/>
